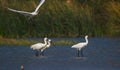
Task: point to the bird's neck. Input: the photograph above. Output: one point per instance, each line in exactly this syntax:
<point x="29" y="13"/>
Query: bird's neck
<point x="49" y="43"/>
<point x="86" y="39"/>
<point x="45" y="41"/>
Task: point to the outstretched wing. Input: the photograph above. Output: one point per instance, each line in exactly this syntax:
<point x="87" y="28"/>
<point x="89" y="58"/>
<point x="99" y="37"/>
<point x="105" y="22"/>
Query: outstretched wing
<point x="21" y="12"/>
<point x="41" y="2"/>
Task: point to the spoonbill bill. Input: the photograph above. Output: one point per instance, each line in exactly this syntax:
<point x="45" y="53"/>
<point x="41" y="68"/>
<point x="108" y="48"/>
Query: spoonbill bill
<point x="29" y="14"/>
<point x="80" y="46"/>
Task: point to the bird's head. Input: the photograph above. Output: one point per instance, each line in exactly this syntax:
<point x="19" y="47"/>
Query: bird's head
<point x="48" y="43"/>
<point x="86" y="36"/>
<point x="45" y="38"/>
<point x="49" y="40"/>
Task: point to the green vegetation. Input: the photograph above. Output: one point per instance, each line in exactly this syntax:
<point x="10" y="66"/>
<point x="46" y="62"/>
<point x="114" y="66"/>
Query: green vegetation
<point x="61" y="18"/>
<point x="16" y="42"/>
<point x="63" y="43"/>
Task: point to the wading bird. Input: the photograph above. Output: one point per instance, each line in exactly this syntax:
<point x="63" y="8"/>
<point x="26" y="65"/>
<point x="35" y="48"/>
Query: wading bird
<point x="29" y="14"/>
<point x="39" y="46"/>
<point x="80" y="46"/>
<point x="45" y="47"/>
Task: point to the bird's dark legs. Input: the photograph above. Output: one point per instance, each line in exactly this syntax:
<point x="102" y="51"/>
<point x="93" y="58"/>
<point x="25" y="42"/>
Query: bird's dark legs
<point x="82" y="53"/>
<point x="36" y="53"/>
<point x="78" y="53"/>
<point x="42" y="53"/>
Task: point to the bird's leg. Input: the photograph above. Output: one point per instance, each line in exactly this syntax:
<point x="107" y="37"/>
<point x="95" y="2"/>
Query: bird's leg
<point x="36" y="53"/>
<point x="78" y="53"/>
<point x="42" y="53"/>
<point x="82" y="53"/>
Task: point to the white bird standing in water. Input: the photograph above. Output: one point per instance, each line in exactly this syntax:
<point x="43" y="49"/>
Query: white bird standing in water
<point x="80" y="46"/>
<point x="38" y="47"/>
<point x="45" y="47"/>
<point x="29" y="14"/>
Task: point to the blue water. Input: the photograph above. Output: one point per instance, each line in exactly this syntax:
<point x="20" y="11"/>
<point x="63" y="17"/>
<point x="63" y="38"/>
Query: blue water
<point x="100" y="54"/>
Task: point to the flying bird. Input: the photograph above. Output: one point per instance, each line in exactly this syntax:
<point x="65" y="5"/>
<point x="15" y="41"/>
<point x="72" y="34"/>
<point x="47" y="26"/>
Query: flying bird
<point x="29" y="14"/>
<point x="80" y="46"/>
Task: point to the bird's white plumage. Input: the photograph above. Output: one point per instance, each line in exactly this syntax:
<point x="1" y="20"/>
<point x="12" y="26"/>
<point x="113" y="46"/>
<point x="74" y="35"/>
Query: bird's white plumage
<point x="41" y="2"/>
<point x="79" y="46"/>
<point x="47" y="46"/>
<point x="30" y="14"/>
<point x="39" y="46"/>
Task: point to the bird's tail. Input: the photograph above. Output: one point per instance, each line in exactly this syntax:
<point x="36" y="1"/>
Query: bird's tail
<point x="73" y="46"/>
<point x="32" y="46"/>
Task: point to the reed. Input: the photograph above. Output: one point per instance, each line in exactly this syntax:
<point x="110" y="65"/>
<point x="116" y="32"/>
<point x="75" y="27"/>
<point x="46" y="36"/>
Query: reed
<point x="60" y="18"/>
<point x="113" y="8"/>
<point x="63" y="43"/>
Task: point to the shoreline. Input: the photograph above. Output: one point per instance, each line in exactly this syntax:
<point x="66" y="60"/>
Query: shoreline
<point x="22" y="42"/>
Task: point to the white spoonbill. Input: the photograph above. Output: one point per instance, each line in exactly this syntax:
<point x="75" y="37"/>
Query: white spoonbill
<point x="30" y="14"/>
<point x="80" y="46"/>
<point x="39" y="46"/>
<point x="45" y="47"/>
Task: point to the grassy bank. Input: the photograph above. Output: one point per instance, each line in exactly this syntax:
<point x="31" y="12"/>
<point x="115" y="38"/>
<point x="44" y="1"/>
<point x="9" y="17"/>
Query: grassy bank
<point x="16" y="42"/>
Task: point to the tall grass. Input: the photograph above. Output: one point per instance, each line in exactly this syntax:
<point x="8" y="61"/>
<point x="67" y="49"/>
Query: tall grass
<point x="113" y="9"/>
<point x="59" y="18"/>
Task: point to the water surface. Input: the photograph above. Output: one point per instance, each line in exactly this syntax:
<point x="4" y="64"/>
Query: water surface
<point x="100" y="54"/>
